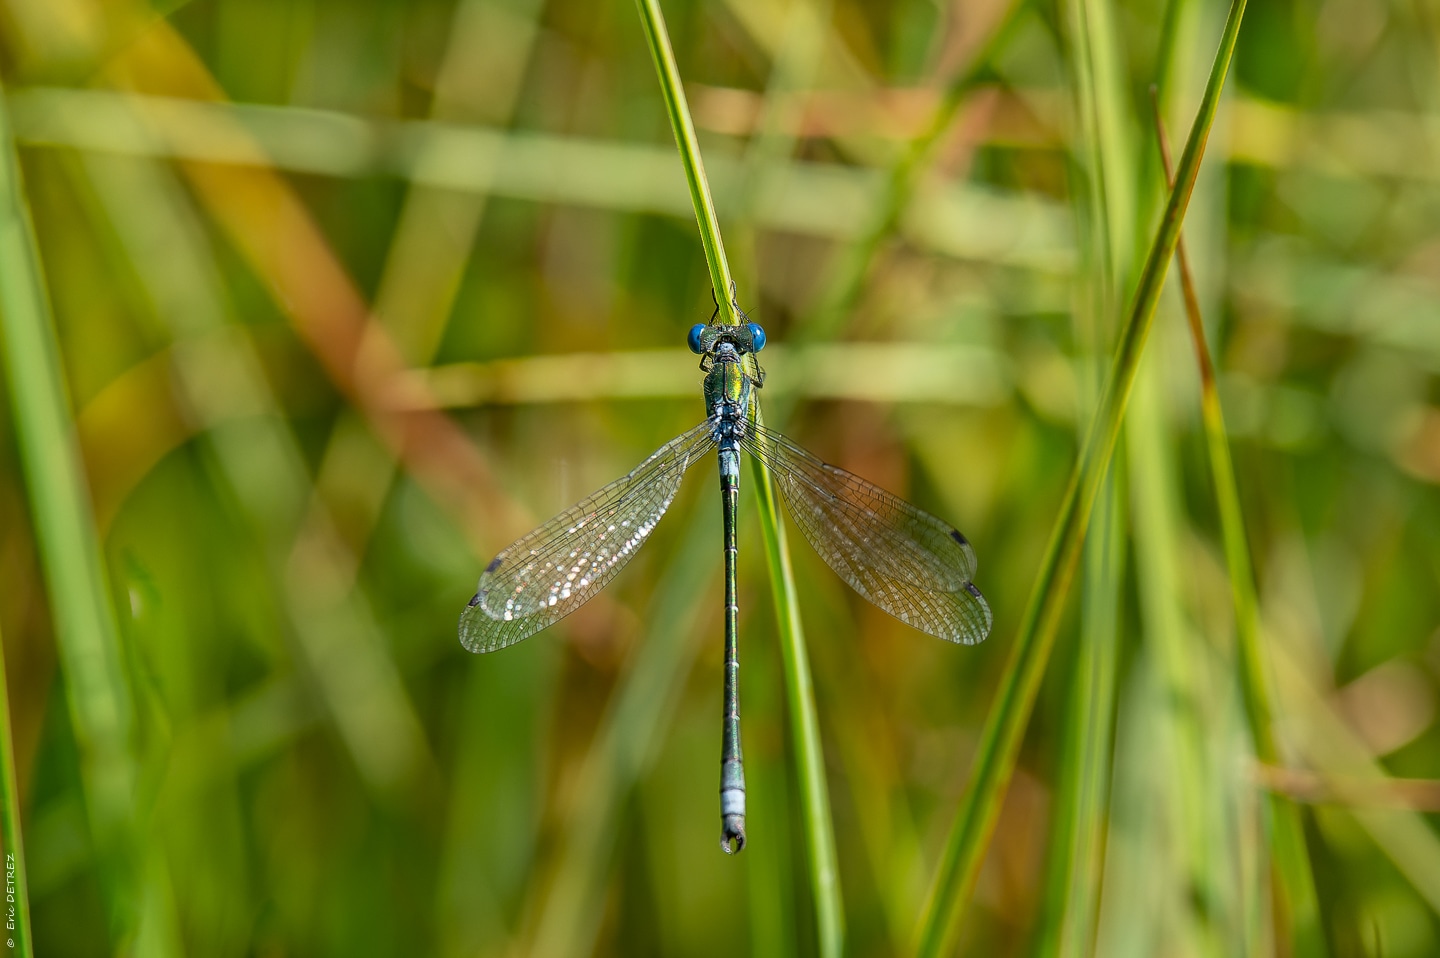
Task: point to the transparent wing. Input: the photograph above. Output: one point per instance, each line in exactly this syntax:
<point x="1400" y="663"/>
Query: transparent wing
<point x="901" y="558"/>
<point x="544" y="576"/>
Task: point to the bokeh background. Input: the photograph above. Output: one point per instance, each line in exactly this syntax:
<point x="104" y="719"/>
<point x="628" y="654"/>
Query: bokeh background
<point x="350" y="294"/>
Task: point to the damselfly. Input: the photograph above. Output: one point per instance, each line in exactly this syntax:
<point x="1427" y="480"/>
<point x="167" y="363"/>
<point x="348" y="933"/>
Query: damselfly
<point x="902" y="559"/>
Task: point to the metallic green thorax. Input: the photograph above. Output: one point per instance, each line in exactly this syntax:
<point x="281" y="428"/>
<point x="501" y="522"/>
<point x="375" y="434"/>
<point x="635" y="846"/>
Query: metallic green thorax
<point x="727" y="384"/>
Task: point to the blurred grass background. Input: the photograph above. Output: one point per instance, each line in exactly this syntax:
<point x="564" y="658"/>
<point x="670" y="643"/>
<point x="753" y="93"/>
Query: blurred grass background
<point x="348" y="295"/>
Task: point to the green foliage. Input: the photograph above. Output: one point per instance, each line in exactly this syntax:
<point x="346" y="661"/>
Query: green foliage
<point x="283" y="372"/>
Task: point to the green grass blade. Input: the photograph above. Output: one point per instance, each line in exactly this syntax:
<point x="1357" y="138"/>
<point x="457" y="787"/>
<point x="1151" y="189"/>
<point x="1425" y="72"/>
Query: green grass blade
<point x="99" y="696"/>
<point x="17" y="899"/>
<point x="675" y="104"/>
<point x="1289" y="851"/>
<point x="1000" y="741"/>
<point x="804" y="723"/>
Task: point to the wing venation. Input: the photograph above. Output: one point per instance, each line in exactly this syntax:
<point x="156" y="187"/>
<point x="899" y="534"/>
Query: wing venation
<point x="545" y="575"/>
<point x="899" y="557"/>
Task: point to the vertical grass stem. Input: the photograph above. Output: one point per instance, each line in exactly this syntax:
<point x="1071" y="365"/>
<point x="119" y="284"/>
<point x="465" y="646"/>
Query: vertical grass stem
<point x="676" y="105"/>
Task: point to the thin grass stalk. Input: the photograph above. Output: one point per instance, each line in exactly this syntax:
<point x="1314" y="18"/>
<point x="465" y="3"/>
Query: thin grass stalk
<point x="17" y="895"/>
<point x="804" y="725"/>
<point x="99" y="697"/>
<point x="676" y="105"/>
<point x="1289" y="852"/>
<point x="1005" y="726"/>
<point x="800" y="696"/>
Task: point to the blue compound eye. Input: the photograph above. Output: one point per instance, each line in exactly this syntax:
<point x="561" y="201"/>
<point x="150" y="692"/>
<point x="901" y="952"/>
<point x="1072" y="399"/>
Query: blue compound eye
<point x="694" y="338"/>
<point x="757" y="337"/>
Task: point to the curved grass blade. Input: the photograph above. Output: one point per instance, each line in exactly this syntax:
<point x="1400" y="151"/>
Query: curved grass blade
<point x="545" y="575"/>
<point x="902" y="559"/>
<point x="1000" y="740"/>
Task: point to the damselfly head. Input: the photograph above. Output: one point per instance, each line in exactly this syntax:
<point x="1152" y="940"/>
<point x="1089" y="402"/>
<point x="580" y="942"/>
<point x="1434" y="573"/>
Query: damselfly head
<point x="741" y="339"/>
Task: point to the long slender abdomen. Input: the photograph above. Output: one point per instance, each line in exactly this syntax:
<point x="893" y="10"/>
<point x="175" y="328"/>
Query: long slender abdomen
<point x="732" y="769"/>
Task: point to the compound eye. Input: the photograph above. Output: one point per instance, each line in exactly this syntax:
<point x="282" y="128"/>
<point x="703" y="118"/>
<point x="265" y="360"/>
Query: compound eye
<point x="757" y="337"/>
<point x="694" y="338"/>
